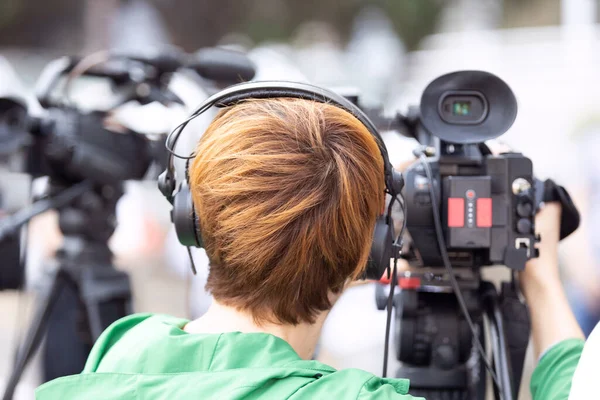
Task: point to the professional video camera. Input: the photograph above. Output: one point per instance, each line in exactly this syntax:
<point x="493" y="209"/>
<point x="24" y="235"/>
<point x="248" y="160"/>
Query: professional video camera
<point x="87" y="158"/>
<point x="465" y="208"/>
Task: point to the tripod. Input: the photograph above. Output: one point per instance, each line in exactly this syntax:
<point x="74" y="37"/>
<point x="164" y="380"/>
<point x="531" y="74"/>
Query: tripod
<point x="84" y="268"/>
<point x="436" y="346"/>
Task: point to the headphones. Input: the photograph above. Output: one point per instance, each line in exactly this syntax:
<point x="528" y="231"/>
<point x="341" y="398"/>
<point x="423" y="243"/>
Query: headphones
<point x="183" y="215"/>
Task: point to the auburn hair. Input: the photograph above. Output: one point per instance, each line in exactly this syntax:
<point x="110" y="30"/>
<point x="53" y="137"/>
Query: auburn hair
<point x="287" y="192"/>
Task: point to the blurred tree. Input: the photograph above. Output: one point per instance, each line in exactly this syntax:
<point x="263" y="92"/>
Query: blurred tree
<point x="54" y="24"/>
<point x="413" y="19"/>
<point x="66" y="25"/>
<point x="524" y="13"/>
<point x="9" y="9"/>
<point x="97" y="18"/>
<point x="204" y="22"/>
<point x="199" y="23"/>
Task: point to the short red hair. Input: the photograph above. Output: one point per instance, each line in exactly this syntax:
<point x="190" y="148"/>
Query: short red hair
<point x="287" y="192"/>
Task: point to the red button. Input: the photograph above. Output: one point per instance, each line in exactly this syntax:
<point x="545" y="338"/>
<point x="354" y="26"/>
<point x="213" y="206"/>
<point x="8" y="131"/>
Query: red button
<point x="484" y="213"/>
<point x="409" y="283"/>
<point x="456" y="212"/>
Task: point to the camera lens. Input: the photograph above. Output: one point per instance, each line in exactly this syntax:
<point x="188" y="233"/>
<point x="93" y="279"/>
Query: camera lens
<point x="463" y="108"/>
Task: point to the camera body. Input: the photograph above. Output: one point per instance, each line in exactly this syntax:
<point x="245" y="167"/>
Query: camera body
<point x="487" y="210"/>
<point x="68" y="145"/>
<point x="94" y="150"/>
<point x="74" y="146"/>
<point x="487" y="202"/>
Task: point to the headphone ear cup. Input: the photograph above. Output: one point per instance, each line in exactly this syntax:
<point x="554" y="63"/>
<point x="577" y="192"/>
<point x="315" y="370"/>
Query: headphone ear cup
<point x="184" y="218"/>
<point x="381" y="249"/>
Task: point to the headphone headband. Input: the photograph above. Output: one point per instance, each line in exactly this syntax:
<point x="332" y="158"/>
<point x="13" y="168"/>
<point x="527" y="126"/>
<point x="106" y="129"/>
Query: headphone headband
<point x="278" y="89"/>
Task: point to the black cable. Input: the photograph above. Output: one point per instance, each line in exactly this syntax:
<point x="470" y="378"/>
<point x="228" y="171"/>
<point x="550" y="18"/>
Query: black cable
<point x="189" y="251"/>
<point x="397" y="246"/>
<point x="453" y="281"/>
<point x="388" y="325"/>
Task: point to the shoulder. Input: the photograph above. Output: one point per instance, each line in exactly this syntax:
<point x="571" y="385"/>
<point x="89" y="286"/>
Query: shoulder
<point x="552" y="376"/>
<point x="129" y="328"/>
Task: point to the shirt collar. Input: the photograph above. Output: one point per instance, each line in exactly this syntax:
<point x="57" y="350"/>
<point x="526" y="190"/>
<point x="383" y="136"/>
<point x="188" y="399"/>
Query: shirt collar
<point x="248" y="350"/>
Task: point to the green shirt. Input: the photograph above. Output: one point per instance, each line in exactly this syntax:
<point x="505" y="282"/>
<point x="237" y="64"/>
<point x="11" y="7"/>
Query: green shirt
<point x="151" y="357"/>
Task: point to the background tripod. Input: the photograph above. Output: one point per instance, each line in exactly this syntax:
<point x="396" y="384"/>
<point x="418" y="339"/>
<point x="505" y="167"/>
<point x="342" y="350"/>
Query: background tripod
<point x="87" y="293"/>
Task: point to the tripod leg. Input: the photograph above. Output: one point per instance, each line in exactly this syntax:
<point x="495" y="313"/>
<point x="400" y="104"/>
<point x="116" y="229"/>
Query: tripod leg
<point x="106" y="293"/>
<point x="34" y="335"/>
<point x="68" y="341"/>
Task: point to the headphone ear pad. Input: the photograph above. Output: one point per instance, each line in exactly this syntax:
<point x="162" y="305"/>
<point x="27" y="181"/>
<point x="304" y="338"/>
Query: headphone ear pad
<point x="184" y="218"/>
<point x="381" y="249"/>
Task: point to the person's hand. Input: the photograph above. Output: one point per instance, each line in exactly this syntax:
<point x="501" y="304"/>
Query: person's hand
<point x="544" y="269"/>
<point x="552" y="319"/>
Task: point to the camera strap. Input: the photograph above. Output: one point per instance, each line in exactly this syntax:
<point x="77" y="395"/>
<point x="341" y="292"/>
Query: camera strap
<point x="549" y="191"/>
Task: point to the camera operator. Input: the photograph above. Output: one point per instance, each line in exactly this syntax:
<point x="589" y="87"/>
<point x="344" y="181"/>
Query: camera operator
<point x="288" y="192"/>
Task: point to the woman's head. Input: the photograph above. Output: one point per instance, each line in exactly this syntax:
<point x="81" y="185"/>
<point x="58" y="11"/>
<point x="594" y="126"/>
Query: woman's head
<point x="287" y="192"/>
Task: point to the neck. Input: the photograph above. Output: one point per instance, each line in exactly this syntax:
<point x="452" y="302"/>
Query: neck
<point x="221" y="318"/>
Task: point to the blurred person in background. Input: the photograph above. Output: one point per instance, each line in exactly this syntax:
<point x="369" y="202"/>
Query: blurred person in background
<point x="278" y="263"/>
<point x="375" y="56"/>
<point x="319" y="54"/>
